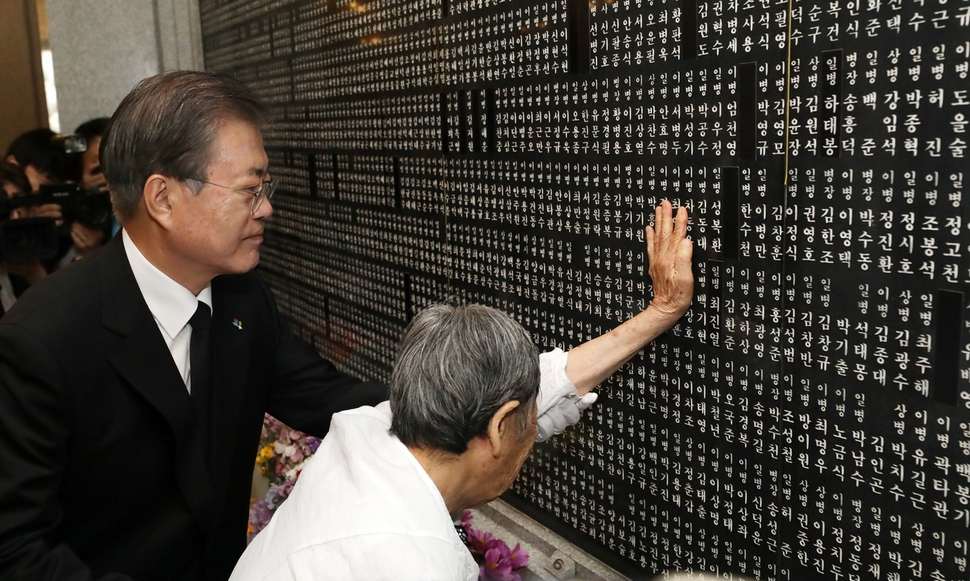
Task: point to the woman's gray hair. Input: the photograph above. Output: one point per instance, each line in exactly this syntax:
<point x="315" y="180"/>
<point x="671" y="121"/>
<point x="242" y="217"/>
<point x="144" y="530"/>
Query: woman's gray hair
<point x="456" y="366"/>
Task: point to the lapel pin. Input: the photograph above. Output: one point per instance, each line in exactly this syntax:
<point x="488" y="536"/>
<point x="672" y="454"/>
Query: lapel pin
<point x="237" y="324"/>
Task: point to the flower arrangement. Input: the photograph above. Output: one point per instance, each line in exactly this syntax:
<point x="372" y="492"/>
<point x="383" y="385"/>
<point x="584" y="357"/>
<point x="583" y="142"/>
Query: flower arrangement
<point x="498" y="561"/>
<point x="280" y="459"/>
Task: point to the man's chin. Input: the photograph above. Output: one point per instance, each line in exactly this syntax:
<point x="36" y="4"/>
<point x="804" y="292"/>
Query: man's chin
<point x="254" y="262"/>
<point x="244" y="265"/>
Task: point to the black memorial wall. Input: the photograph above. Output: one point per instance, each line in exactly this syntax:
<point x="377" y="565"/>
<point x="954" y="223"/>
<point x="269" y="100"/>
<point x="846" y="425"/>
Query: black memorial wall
<point x="810" y="416"/>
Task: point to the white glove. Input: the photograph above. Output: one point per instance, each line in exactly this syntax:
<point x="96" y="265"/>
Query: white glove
<point x="559" y="406"/>
<point x="566" y="412"/>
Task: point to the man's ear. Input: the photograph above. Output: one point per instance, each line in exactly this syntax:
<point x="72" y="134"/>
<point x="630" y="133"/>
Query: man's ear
<point x="158" y="195"/>
<point x="11" y="160"/>
<point x="499" y="426"/>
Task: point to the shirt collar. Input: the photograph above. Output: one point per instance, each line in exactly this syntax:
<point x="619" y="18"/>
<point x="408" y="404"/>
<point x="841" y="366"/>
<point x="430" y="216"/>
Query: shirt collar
<point x="171" y="304"/>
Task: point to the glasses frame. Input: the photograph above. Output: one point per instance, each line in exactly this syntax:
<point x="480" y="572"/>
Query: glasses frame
<point x="266" y="190"/>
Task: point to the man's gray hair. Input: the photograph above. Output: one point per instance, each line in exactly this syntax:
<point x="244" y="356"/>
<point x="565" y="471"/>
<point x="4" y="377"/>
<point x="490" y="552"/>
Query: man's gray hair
<point x="456" y="366"/>
<point x="166" y="125"/>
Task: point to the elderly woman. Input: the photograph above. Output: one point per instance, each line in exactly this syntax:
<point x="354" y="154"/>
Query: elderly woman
<point x="375" y="501"/>
<point x="469" y="395"/>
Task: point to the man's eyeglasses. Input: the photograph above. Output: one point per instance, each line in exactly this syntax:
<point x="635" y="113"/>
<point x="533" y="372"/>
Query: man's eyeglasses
<point x="265" y="189"/>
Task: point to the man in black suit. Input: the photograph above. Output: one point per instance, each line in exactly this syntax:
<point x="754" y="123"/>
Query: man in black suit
<point x="130" y="416"/>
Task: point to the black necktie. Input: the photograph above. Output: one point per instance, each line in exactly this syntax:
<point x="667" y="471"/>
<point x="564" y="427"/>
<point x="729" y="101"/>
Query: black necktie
<point x="200" y="362"/>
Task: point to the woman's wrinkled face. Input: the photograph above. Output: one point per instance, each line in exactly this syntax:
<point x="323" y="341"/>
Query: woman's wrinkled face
<point x="518" y="442"/>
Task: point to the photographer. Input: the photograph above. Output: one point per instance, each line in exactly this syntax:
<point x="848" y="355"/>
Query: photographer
<point x="84" y="224"/>
<point x="14" y="277"/>
<point x="88" y="174"/>
<point x="88" y="171"/>
<point x="42" y="161"/>
<point x="58" y="167"/>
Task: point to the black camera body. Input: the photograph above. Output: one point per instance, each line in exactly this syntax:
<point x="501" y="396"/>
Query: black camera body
<point x="91" y="208"/>
<point x="26" y="239"/>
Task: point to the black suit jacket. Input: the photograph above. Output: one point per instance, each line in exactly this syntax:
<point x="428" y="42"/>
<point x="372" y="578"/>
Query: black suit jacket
<point x="99" y="475"/>
<point x="19" y="284"/>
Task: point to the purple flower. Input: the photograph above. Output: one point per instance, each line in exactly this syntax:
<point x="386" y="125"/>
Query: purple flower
<point x="259" y="516"/>
<point x="498" y="563"/>
<point x="312" y="444"/>
<point x="478" y="541"/>
<point x="518" y="557"/>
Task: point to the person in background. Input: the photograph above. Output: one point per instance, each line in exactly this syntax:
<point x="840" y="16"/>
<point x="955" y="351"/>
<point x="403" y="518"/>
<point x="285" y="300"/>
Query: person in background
<point x="14" y="278"/>
<point x="44" y="162"/>
<point x="88" y="174"/>
<point x="44" y="158"/>
<point x="41" y="158"/>
<point x="14" y="184"/>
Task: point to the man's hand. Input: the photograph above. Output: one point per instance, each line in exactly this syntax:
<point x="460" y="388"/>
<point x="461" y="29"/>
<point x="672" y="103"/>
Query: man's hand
<point x="669" y="252"/>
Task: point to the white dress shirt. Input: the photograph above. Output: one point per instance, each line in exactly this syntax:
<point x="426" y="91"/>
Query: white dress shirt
<point x="364" y="508"/>
<point x="171" y="304"/>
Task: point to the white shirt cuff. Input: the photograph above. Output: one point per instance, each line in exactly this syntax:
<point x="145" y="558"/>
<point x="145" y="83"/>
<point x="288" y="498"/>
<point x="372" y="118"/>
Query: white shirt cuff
<point x="554" y="383"/>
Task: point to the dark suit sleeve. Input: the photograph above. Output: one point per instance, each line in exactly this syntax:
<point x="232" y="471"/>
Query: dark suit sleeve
<point x="308" y="389"/>
<point x="33" y="442"/>
<point x="19" y="284"/>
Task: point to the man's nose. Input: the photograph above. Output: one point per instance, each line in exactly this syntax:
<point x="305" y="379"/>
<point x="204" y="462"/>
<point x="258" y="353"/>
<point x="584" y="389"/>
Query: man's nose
<point x="265" y="210"/>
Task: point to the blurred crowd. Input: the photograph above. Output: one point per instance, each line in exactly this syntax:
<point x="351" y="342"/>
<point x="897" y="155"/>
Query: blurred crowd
<point x="54" y="205"/>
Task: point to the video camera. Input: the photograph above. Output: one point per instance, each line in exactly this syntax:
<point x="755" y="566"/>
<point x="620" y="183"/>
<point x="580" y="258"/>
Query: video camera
<point x="41" y="238"/>
<point x="27" y="239"/>
<point x="91" y="208"/>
